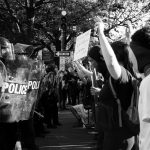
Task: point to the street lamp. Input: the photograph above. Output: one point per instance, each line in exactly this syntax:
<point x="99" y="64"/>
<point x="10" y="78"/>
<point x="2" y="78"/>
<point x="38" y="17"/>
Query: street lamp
<point x="63" y="30"/>
<point x="63" y="13"/>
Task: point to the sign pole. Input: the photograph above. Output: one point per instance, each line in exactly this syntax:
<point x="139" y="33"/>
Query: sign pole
<point x="63" y="40"/>
<point x="63" y="34"/>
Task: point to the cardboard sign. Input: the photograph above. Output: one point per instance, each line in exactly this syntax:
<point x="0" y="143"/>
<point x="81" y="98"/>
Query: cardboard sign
<point x="82" y="45"/>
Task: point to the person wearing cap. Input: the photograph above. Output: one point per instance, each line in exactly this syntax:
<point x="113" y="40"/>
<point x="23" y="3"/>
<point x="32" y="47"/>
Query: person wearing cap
<point x="97" y="62"/>
<point x="140" y="45"/>
<point x="96" y="59"/>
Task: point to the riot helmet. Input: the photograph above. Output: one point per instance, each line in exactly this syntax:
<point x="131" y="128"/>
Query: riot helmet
<point x="6" y="49"/>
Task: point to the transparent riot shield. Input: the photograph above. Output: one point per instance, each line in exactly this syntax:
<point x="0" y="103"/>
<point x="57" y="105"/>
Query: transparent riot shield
<point x="19" y="83"/>
<point x="33" y="86"/>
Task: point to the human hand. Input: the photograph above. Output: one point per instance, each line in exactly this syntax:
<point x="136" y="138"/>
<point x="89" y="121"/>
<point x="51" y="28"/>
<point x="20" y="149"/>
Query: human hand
<point x="99" y="25"/>
<point x="18" y="145"/>
<point x="75" y="64"/>
<point x="78" y="62"/>
<point x="129" y="30"/>
<point x="95" y="90"/>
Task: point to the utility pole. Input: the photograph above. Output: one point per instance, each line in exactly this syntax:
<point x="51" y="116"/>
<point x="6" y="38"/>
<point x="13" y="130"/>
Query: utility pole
<point x="63" y="24"/>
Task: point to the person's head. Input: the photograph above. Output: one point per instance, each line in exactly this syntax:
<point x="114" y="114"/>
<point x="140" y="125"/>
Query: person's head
<point x="70" y="69"/>
<point x="56" y="68"/>
<point x="120" y="49"/>
<point x="122" y="52"/>
<point x="97" y="60"/>
<point x="140" y="46"/>
<point x="50" y="68"/>
<point x="6" y="52"/>
<point x="61" y="73"/>
<point x="85" y="62"/>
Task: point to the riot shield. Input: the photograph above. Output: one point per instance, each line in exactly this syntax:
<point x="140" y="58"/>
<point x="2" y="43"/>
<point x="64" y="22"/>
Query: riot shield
<point x="20" y="80"/>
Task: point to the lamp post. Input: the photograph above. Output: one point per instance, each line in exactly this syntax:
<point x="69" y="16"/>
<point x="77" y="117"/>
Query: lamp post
<point x="63" y="30"/>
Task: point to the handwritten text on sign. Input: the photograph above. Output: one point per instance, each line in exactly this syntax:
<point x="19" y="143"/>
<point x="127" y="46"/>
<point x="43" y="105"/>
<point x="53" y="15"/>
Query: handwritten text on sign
<point x="82" y="45"/>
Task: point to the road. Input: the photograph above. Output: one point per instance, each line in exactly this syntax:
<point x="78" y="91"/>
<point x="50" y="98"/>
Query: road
<point x="67" y="137"/>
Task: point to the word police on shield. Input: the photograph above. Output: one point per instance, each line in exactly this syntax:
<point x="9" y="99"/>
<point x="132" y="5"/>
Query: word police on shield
<point x="62" y="54"/>
<point x="82" y="45"/>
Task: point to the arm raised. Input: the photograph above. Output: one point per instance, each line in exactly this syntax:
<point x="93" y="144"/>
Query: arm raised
<point x="111" y="61"/>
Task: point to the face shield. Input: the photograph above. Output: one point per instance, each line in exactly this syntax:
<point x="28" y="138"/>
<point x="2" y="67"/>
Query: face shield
<point x="22" y="53"/>
<point x="7" y="51"/>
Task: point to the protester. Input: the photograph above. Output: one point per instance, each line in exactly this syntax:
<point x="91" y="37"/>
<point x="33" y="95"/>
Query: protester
<point x="72" y="79"/>
<point x="83" y="111"/>
<point x="63" y="87"/>
<point x="50" y="99"/>
<point x="140" y="45"/>
<point x="120" y="67"/>
<point x="97" y="62"/>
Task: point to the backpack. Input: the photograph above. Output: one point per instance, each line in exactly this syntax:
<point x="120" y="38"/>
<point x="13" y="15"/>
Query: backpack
<point x="133" y="108"/>
<point x="129" y="118"/>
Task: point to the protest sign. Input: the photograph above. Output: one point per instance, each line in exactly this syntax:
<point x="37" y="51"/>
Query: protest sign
<point x="82" y="45"/>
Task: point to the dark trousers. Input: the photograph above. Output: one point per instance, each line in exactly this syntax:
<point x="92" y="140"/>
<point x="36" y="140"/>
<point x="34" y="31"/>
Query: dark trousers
<point x="51" y="114"/>
<point x="54" y="114"/>
<point x="63" y="98"/>
<point x="113" y="139"/>
<point x="73" y="95"/>
<point x="116" y="139"/>
<point x="8" y="136"/>
<point x="28" y="134"/>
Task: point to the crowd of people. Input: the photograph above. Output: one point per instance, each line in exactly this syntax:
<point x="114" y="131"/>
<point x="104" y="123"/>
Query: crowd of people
<point x="120" y="62"/>
<point x="86" y="88"/>
<point x="60" y="90"/>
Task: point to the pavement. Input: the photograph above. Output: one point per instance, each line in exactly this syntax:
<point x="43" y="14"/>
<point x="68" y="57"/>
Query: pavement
<point x="67" y="137"/>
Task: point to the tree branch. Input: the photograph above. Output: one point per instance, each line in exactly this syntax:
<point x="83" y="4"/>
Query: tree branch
<point x="41" y="2"/>
<point x="84" y="14"/>
<point x="23" y="6"/>
<point x="40" y="27"/>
